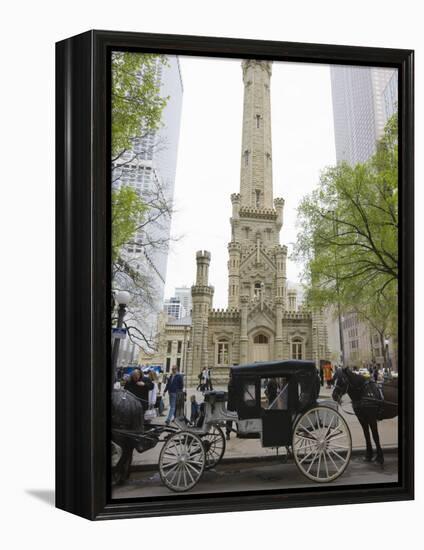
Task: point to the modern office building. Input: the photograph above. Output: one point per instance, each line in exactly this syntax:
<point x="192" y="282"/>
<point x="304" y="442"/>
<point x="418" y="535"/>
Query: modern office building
<point x="184" y="295"/>
<point x="174" y="308"/>
<point x="359" y="109"/>
<point x="150" y="167"/>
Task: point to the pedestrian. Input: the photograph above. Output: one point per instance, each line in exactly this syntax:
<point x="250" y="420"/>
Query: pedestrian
<point x="195" y="409"/>
<point x="173" y="386"/>
<point x="209" y="380"/>
<point x="203" y="380"/>
<point x="375" y="374"/>
<point x="160" y="380"/>
<point x="328" y="373"/>
<point x="139" y="386"/>
<point x="153" y="393"/>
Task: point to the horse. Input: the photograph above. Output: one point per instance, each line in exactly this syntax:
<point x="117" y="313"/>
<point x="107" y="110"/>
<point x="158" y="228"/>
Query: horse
<point x="127" y="423"/>
<point x="370" y="404"/>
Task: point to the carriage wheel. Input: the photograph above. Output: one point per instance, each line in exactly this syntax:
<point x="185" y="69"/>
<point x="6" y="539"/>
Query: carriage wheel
<point x="182" y="461"/>
<point x="214" y="444"/>
<point x="322" y="444"/>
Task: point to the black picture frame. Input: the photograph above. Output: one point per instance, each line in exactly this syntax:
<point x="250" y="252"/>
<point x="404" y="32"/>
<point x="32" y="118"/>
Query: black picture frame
<point x="83" y="265"/>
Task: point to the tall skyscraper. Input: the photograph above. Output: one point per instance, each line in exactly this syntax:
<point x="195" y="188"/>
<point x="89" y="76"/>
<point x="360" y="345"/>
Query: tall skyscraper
<point x="359" y="110"/>
<point x="150" y="168"/>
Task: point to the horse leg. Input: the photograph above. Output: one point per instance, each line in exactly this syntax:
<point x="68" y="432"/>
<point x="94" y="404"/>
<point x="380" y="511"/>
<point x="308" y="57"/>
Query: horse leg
<point x="374" y="429"/>
<point x="365" y="427"/>
<point x="123" y="466"/>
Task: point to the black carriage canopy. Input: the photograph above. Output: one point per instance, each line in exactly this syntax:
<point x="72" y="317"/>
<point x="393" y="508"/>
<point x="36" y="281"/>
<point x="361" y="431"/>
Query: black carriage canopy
<point x="302" y="373"/>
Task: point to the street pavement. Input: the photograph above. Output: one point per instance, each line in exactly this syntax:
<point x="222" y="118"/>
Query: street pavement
<point x="249" y="448"/>
<point x="255" y="475"/>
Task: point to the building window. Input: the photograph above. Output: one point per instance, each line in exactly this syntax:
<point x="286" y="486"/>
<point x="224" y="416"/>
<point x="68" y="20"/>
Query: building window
<point x="246" y="158"/>
<point x="179" y="347"/>
<point x="223" y="353"/>
<point x="178" y="363"/>
<point x="260" y="339"/>
<point x="258" y="198"/>
<point x="296" y="348"/>
<point x="258" y="118"/>
<point x="168" y="364"/>
<point x="169" y="348"/>
<point x="257" y="289"/>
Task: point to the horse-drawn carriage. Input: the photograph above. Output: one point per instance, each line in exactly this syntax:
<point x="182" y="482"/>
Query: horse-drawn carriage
<point x="275" y="402"/>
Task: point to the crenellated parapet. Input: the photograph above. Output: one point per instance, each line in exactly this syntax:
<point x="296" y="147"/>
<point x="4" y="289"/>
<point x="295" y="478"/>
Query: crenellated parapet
<point x="203" y="255"/>
<point x="202" y="290"/>
<point x="299" y="315"/>
<point x="257" y="213"/>
<point x="224" y="314"/>
<point x="234" y="247"/>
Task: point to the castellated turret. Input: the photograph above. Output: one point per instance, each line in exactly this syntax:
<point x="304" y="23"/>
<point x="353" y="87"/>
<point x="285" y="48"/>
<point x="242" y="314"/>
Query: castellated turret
<point x="234" y="252"/>
<point x="202" y="296"/>
<point x="279" y="207"/>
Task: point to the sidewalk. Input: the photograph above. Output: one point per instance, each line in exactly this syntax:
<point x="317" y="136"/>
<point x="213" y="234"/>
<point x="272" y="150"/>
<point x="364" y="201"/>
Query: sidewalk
<point x="250" y="449"/>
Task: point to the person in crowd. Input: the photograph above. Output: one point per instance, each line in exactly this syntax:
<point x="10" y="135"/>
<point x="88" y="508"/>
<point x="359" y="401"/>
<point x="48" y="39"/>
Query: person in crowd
<point x="328" y="373"/>
<point x="321" y="374"/>
<point x="375" y="373"/>
<point x="174" y="385"/>
<point x="139" y="386"/>
<point x="209" y="380"/>
<point x="153" y="393"/>
<point x="203" y="380"/>
<point x="160" y="380"/>
<point x="195" y="409"/>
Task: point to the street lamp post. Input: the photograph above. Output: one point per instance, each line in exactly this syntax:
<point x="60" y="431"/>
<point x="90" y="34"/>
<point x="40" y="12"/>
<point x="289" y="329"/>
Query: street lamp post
<point x="122" y="298"/>
<point x="386" y="344"/>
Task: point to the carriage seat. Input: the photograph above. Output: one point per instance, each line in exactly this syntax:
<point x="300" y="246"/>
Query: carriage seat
<point x="216" y="396"/>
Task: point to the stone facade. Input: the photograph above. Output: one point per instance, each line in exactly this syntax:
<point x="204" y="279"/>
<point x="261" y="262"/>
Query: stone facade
<point x="262" y="321"/>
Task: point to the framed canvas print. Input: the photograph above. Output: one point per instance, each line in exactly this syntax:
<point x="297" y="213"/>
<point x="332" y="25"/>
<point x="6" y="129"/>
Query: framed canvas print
<point x="234" y="275"/>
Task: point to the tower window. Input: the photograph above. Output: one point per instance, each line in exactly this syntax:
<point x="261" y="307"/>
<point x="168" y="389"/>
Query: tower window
<point x="258" y="118"/>
<point x="258" y="198"/>
<point x="246" y="158"/>
<point x="260" y="339"/>
<point x="257" y="289"/>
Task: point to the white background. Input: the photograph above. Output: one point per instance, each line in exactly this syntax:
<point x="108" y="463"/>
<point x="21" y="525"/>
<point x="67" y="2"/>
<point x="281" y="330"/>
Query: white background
<point x="29" y="30"/>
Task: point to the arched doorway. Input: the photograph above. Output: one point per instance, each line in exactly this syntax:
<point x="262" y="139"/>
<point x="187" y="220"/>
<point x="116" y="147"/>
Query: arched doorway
<point x="260" y="347"/>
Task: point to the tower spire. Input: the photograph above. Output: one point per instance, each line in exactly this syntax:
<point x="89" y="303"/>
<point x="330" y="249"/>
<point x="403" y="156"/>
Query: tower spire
<point x="256" y="153"/>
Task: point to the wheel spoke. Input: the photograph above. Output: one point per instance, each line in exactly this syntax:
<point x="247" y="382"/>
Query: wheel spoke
<point x="189" y="473"/>
<point x="313" y="460"/>
<point x="326" y="465"/>
<point x="337" y="454"/>
<point x="335" y="465"/>
<point x="306" y="430"/>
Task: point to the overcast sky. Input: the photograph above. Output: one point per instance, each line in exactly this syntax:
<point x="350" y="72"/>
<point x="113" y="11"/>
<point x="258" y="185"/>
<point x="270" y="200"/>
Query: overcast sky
<point x="208" y="169"/>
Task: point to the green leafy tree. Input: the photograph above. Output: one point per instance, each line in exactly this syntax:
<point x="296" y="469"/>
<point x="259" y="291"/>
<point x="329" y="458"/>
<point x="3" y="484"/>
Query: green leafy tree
<point x="127" y="212"/>
<point x="136" y="102"/>
<point x="137" y="108"/>
<point x="348" y="239"/>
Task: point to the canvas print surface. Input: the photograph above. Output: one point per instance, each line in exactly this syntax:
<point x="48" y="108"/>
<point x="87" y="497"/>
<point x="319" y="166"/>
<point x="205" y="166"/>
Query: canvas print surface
<point x="254" y="275"/>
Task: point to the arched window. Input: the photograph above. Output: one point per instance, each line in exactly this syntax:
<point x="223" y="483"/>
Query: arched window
<point x="297" y="345"/>
<point x="257" y="289"/>
<point x="260" y="339"/>
<point x="222" y="352"/>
